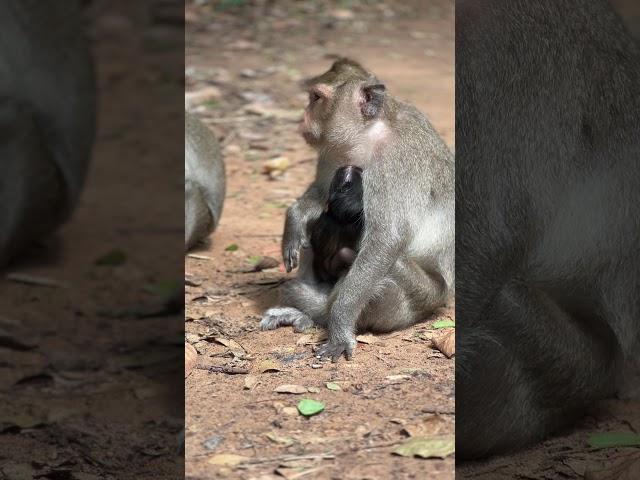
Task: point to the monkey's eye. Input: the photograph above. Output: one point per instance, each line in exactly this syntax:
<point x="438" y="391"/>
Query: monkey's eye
<point x="314" y="97"/>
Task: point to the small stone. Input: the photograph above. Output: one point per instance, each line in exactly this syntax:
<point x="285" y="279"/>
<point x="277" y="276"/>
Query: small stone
<point x="232" y="149"/>
<point x="342" y="14"/>
<point x="243" y="45"/>
<point x="248" y="73"/>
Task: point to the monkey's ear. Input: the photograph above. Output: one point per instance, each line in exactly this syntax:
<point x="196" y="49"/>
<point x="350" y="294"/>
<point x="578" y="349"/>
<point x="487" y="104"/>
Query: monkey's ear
<point x="373" y="99"/>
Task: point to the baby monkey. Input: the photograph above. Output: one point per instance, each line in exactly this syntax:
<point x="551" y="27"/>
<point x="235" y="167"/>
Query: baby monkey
<point x="336" y="234"/>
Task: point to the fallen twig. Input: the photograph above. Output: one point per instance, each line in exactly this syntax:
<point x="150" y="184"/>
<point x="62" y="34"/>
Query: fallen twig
<point x="224" y="369"/>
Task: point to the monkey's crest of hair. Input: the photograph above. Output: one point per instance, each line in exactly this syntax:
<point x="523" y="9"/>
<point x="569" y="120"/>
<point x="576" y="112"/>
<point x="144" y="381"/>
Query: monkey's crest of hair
<point x="342" y="70"/>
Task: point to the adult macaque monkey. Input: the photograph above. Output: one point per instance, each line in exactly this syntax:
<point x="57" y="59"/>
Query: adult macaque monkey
<point x="204" y="181"/>
<point x="47" y="118"/>
<point x="404" y="268"/>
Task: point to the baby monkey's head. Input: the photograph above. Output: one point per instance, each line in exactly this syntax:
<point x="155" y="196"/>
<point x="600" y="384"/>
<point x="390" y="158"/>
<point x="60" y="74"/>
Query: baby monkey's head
<point x="345" y="195"/>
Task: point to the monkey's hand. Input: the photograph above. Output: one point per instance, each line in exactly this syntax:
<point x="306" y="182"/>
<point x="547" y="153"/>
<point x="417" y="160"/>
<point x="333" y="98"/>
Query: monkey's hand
<point x="294" y="238"/>
<point x="335" y="349"/>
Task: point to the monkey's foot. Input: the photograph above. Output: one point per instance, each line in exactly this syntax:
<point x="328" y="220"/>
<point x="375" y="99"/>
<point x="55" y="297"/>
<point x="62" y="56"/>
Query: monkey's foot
<point x="284" y="317"/>
<point x="334" y="350"/>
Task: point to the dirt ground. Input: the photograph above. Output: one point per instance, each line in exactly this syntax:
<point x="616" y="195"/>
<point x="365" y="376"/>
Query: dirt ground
<point x="243" y="65"/>
<point x="568" y="455"/>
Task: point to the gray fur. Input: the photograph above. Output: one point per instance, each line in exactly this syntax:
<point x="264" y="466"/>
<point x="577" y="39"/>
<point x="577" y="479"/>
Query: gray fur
<point x="47" y="118"/>
<point x="204" y="181"/>
<point x="405" y="265"/>
<point x="547" y="191"/>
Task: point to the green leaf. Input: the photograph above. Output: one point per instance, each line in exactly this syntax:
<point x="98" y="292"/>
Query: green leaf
<point x="254" y="260"/>
<point x="163" y="288"/>
<point x="614" y="439"/>
<point x="113" y="258"/>
<point x="333" y="386"/>
<point x="440" y="446"/>
<point x="232" y="248"/>
<point x="444" y="324"/>
<point x="276" y="205"/>
<point x="308" y="407"/>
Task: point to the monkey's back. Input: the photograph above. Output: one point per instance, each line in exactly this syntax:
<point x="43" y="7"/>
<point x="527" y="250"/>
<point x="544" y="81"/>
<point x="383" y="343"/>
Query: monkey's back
<point x="204" y="181"/>
<point x="420" y="185"/>
<point x="47" y="116"/>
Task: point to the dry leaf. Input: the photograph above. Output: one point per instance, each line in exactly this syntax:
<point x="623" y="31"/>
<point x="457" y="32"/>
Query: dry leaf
<point x="207" y="94"/>
<point x="290" y="411"/>
<point x="342" y="14"/>
<point x="312" y="338"/>
<point x="446" y="344"/>
<point x="266" y="263"/>
<point x="275" y="438"/>
<point x="229" y="343"/>
<point x="268" y="366"/>
<point x="276" y="167"/>
<point x="431" y="425"/>
<point x="227" y="459"/>
<point x="427" y="447"/>
<point x="295" y="389"/>
<point x="398" y="378"/>
<point x="297" y="472"/>
<point x="190" y="359"/>
<point x="368" y="339"/>
<point x="250" y="381"/>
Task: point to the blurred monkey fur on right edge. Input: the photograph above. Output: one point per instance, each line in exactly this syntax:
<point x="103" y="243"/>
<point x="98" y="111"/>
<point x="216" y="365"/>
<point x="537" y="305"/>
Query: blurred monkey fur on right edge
<point x="547" y="227"/>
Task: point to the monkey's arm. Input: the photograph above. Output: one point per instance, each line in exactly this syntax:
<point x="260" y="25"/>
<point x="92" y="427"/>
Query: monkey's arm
<point x="305" y="210"/>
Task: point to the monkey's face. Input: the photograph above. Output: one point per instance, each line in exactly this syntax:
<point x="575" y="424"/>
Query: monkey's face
<point x="316" y="113"/>
<point x="343" y="102"/>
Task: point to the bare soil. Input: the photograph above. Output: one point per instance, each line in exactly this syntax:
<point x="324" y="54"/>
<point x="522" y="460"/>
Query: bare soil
<point x="568" y="455"/>
<point x="255" y="56"/>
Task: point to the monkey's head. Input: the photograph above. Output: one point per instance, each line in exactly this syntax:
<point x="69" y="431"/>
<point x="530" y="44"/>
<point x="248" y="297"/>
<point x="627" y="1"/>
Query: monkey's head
<point x="344" y="103"/>
<point x="345" y="195"/>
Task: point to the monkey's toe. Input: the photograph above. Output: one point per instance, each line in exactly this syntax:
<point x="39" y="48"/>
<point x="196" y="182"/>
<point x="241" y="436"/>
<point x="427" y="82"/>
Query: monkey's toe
<point x="284" y="317"/>
<point x="335" y="350"/>
<point x="302" y="323"/>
